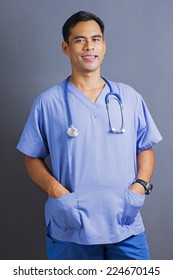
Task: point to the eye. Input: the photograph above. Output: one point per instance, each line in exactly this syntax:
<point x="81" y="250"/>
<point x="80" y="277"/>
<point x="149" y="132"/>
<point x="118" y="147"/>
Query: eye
<point x="97" y="39"/>
<point x="80" y="40"/>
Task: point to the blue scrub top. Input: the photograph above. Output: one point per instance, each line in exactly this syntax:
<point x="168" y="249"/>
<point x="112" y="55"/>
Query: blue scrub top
<point x="97" y="166"/>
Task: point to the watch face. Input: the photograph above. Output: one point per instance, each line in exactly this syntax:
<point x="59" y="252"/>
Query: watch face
<point x="149" y="188"/>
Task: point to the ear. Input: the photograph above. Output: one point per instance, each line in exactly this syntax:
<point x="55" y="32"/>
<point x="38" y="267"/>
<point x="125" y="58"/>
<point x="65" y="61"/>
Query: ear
<point x="65" y="48"/>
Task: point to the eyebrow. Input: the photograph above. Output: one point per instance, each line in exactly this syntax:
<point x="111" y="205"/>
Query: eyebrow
<point x="83" y="37"/>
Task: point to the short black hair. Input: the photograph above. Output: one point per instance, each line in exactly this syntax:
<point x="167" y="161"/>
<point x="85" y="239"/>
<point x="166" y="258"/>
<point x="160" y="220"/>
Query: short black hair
<point x="79" y="17"/>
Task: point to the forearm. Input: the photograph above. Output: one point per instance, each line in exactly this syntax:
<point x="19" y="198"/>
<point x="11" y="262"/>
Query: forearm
<point x="40" y="175"/>
<point x="145" y="164"/>
<point x="145" y="167"/>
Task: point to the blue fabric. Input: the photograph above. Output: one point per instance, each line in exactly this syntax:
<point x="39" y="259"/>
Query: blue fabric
<point x="132" y="248"/>
<point x="97" y="166"/>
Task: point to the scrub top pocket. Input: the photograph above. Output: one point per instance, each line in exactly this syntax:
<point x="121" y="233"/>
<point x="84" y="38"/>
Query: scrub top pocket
<point x="133" y="204"/>
<point x="65" y="212"/>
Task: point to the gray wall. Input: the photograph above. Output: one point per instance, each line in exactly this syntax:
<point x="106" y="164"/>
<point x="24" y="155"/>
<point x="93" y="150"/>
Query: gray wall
<point x="139" y="36"/>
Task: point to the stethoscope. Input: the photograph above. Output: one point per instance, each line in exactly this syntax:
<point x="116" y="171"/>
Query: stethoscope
<point x="72" y="131"/>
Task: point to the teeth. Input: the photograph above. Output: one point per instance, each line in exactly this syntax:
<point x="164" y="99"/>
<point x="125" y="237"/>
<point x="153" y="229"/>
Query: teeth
<point x="89" y="56"/>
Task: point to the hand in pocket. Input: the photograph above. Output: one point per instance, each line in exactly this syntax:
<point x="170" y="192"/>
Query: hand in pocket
<point x="65" y="212"/>
<point x="133" y="204"/>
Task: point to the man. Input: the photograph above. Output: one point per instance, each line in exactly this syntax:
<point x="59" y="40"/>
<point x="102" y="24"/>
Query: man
<point x="101" y="155"/>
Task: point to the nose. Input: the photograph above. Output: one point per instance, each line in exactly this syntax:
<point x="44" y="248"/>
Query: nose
<point x="88" y="46"/>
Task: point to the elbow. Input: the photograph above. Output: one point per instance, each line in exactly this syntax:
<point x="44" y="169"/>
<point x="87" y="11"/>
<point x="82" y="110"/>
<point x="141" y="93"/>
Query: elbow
<point x="27" y="161"/>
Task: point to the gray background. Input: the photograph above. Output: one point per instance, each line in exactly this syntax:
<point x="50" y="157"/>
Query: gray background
<point x="139" y="35"/>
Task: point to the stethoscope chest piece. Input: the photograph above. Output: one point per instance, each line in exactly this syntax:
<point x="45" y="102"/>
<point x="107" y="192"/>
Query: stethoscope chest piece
<point x="72" y="131"/>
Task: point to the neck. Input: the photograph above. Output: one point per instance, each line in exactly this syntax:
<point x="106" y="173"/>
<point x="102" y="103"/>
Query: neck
<point x="90" y="85"/>
<point x="86" y="81"/>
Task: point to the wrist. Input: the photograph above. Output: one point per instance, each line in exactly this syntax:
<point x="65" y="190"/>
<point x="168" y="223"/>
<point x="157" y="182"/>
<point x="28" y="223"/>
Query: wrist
<point x="137" y="188"/>
<point x="147" y="186"/>
<point x="56" y="190"/>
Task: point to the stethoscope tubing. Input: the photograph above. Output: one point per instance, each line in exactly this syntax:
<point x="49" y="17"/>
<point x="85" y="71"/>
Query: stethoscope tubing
<point x="72" y="131"/>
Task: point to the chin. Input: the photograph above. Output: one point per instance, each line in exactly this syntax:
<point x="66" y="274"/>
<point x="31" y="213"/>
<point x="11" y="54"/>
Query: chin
<point x="90" y="69"/>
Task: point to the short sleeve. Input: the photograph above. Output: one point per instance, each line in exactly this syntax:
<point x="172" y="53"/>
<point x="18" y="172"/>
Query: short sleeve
<point x="147" y="132"/>
<point x="33" y="139"/>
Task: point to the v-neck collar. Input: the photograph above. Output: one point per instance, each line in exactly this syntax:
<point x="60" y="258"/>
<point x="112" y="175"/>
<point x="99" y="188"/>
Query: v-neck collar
<point x="100" y="102"/>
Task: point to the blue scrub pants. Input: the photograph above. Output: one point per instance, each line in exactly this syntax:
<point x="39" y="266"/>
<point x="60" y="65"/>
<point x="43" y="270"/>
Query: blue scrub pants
<point x="132" y="248"/>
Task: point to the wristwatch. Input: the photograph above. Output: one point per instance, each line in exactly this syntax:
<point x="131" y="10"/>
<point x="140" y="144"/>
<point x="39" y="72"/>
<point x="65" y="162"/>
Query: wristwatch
<point x="147" y="186"/>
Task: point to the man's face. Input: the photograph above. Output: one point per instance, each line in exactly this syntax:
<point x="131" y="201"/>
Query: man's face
<point x="86" y="47"/>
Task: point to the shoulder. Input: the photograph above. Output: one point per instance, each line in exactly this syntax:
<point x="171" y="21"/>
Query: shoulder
<point x="50" y="95"/>
<point x="126" y="92"/>
<point x="124" y="88"/>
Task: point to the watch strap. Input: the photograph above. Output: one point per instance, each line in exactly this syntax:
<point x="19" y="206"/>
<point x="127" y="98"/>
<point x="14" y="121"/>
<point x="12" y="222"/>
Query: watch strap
<point x="147" y="185"/>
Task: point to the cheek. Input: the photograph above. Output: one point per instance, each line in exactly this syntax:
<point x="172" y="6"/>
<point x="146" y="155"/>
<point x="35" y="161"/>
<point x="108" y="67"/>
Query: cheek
<point x="102" y="54"/>
<point x="104" y="49"/>
<point x="74" y="53"/>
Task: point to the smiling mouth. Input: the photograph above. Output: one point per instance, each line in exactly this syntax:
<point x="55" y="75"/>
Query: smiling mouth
<point x="89" y="57"/>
